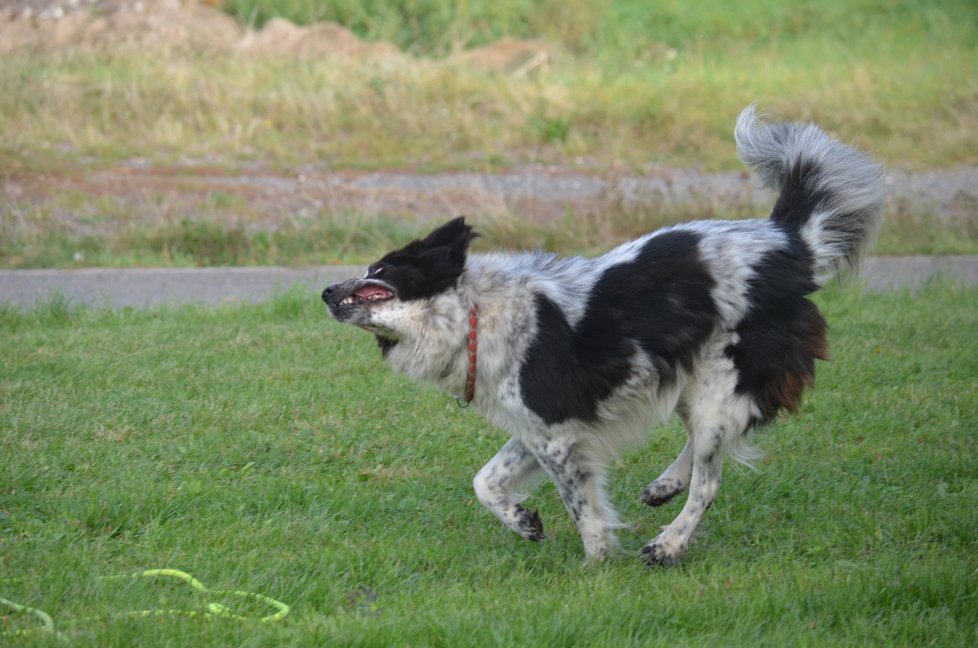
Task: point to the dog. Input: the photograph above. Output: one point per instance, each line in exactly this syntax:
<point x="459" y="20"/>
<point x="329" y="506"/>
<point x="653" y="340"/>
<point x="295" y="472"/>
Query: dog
<point x="578" y="358"/>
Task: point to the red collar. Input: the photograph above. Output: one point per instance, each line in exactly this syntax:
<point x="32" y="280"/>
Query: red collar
<point x="473" y="348"/>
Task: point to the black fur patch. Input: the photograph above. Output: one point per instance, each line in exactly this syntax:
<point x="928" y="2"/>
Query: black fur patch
<point x="531" y="522"/>
<point x="782" y="334"/>
<point x="798" y="198"/>
<point x="428" y="266"/>
<point x="385" y="344"/>
<point x="660" y="302"/>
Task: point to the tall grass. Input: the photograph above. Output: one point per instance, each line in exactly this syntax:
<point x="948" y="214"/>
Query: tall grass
<point x="622" y="30"/>
<point x="638" y="83"/>
<point x="420" y="26"/>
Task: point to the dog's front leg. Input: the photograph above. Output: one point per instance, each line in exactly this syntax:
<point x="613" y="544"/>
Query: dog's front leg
<point x="579" y="475"/>
<point x="501" y="485"/>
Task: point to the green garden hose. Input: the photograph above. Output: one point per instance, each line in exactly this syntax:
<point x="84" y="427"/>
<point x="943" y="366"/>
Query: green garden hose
<point x="212" y="609"/>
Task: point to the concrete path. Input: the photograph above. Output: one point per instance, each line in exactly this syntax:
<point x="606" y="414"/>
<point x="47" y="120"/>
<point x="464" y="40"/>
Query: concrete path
<point x="150" y="287"/>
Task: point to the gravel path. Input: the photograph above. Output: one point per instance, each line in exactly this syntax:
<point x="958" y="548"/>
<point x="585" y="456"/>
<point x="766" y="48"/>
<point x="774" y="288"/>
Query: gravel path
<point x="148" y="288"/>
<point x="542" y="194"/>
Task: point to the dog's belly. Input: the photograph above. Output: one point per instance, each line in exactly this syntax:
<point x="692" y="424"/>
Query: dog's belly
<point x="623" y="420"/>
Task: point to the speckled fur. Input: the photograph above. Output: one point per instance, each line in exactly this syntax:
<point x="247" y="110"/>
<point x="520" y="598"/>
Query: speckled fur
<point x="722" y="376"/>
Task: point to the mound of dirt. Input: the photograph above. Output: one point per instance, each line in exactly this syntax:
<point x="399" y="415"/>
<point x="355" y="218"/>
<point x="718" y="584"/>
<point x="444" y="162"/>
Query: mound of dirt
<point x="280" y="37"/>
<point x="200" y="25"/>
<point x="100" y="24"/>
<point x="509" y="55"/>
<point x="90" y="25"/>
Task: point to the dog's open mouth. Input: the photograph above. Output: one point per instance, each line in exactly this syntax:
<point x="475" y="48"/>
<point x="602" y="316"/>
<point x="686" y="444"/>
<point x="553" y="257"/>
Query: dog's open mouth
<point x="368" y="293"/>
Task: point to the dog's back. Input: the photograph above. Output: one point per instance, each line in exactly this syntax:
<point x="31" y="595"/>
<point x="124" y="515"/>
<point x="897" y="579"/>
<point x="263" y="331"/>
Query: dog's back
<point x="675" y="291"/>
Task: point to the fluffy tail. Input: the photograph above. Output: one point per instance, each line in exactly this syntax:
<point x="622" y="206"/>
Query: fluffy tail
<point x="831" y="195"/>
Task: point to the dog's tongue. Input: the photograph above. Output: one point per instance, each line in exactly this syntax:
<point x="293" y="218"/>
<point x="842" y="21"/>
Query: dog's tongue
<point x="372" y="292"/>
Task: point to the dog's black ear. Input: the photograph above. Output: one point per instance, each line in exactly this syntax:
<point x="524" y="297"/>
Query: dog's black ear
<point x="428" y="266"/>
<point x="454" y="236"/>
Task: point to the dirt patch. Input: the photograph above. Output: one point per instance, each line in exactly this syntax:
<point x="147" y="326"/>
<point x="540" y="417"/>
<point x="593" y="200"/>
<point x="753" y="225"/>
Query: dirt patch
<point x="200" y="25"/>
<point x="509" y="55"/>
<point x="84" y="25"/>
<point x="280" y="37"/>
<point x="541" y="194"/>
<point x="97" y="25"/>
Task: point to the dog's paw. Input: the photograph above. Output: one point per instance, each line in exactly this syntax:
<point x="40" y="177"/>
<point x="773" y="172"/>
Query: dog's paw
<point x="661" y="491"/>
<point x="662" y="553"/>
<point x="529" y="525"/>
<point x="598" y="550"/>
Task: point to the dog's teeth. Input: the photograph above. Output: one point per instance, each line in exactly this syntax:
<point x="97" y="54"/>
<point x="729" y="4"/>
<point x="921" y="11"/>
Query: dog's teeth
<point x="348" y="300"/>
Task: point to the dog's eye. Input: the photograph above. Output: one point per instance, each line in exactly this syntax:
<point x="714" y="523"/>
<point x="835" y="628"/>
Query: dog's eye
<point x="376" y="271"/>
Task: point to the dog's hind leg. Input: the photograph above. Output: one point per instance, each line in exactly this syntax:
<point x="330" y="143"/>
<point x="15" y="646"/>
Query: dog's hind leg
<point x="579" y="473"/>
<point x="675" y="478"/>
<point x="718" y="418"/>
<point x="500" y="485"/>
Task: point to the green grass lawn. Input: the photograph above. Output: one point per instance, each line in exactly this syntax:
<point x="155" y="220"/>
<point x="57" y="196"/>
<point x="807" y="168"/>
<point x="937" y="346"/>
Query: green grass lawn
<point x="267" y="449"/>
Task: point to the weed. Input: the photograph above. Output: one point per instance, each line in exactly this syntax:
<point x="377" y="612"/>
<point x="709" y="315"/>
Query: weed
<point x="549" y="130"/>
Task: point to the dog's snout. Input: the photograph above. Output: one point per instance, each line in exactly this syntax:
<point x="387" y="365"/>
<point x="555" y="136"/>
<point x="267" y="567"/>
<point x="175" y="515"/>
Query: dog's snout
<point x="329" y="291"/>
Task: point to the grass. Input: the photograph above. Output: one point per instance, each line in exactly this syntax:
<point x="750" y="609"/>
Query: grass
<point x="635" y="83"/>
<point x="264" y="448"/>
<point x="109" y="236"/>
<point x="226" y="230"/>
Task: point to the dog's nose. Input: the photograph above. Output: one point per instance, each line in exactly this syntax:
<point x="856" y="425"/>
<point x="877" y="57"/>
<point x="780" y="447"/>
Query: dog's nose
<point x="329" y="291"/>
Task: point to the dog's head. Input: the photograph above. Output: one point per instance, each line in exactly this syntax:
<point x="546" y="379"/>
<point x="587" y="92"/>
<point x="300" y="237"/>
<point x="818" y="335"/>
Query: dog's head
<point x="386" y="300"/>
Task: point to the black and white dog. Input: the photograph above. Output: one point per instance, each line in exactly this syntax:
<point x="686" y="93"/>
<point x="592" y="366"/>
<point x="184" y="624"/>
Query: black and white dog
<point x="577" y="358"/>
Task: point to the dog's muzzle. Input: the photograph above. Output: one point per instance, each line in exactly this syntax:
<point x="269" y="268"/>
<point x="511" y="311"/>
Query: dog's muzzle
<point x="348" y="296"/>
<point x="329" y="292"/>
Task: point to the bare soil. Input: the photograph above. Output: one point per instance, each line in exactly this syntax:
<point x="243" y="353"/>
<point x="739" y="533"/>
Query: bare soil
<point x="88" y="25"/>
